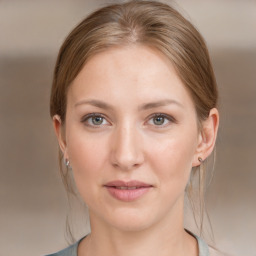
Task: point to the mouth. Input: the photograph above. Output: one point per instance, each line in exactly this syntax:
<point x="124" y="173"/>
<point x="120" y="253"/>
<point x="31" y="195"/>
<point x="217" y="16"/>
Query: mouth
<point x="129" y="188"/>
<point x="127" y="191"/>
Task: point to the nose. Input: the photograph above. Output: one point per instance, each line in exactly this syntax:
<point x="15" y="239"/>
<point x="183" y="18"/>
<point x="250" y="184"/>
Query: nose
<point x="127" y="152"/>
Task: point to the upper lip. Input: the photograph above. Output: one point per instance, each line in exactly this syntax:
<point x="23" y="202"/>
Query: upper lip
<point x="132" y="183"/>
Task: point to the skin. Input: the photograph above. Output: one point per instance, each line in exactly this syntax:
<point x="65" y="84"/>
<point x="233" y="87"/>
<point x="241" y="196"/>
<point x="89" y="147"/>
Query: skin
<point x="131" y="144"/>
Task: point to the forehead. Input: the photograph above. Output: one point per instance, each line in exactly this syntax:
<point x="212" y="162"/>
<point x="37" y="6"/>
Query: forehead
<point x="138" y="72"/>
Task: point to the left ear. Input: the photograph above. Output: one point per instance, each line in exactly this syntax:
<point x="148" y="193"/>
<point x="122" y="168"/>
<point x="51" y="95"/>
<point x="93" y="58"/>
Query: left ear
<point x="207" y="137"/>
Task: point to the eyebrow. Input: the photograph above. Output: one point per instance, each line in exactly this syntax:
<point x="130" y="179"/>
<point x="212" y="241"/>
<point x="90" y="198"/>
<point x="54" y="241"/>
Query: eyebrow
<point x="96" y="103"/>
<point x="160" y="103"/>
<point x="150" y="105"/>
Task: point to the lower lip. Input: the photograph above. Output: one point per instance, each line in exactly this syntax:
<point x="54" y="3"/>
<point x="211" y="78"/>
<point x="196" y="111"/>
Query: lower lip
<point x="127" y="195"/>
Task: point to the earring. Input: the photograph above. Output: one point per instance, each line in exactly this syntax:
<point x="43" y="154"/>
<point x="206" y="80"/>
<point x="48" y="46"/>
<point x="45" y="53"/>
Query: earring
<point x="200" y="159"/>
<point x="66" y="162"/>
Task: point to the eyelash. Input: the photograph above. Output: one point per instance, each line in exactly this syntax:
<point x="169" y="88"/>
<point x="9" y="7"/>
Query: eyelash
<point x="170" y="119"/>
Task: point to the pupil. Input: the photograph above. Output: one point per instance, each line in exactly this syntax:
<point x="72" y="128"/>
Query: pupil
<point x="159" y="120"/>
<point x="97" y="120"/>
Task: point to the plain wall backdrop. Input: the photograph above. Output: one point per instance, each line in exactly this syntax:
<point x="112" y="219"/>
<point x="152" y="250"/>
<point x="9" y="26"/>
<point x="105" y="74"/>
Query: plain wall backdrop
<point x="33" y="202"/>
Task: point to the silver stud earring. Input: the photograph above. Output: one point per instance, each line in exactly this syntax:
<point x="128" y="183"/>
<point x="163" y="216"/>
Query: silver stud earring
<point x="66" y="162"/>
<point x="200" y="159"/>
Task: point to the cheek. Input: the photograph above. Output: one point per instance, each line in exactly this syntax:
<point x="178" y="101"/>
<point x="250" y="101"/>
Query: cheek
<point x="172" y="157"/>
<point x="88" y="157"/>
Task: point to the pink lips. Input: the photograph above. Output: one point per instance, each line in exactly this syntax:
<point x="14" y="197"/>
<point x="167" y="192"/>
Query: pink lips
<point x="127" y="191"/>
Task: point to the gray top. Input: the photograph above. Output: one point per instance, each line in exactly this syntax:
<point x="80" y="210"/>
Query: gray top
<point x="203" y="247"/>
<point x="72" y="250"/>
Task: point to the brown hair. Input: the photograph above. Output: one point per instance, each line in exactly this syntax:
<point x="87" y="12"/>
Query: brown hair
<point x="147" y="23"/>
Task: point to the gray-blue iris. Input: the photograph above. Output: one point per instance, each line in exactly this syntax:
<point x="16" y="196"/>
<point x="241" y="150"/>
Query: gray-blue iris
<point x="159" y="120"/>
<point x="97" y="120"/>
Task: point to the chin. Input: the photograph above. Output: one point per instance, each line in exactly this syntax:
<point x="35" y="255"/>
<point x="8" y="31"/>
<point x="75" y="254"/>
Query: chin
<point x="131" y="226"/>
<point x="131" y="220"/>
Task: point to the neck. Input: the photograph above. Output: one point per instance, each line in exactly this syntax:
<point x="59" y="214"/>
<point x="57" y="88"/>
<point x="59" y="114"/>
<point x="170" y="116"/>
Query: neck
<point x="163" y="239"/>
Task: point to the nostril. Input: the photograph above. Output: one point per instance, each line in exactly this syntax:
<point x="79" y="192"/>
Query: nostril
<point x="127" y="164"/>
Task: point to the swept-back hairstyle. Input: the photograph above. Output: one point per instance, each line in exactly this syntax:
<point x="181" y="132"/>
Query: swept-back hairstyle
<point x="147" y="23"/>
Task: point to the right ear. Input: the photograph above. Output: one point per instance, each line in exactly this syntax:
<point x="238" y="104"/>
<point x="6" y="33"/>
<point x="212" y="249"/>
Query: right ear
<point x="60" y="134"/>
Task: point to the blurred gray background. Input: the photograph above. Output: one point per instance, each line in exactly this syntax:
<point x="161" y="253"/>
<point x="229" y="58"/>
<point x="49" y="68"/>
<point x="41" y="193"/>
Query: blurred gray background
<point x="33" y="202"/>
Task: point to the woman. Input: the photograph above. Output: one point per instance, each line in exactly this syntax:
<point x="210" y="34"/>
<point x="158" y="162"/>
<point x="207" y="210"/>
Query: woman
<point x="134" y="109"/>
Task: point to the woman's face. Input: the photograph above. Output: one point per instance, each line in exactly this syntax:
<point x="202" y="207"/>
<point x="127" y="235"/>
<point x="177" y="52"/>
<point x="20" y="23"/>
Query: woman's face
<point x="131" y="137"/>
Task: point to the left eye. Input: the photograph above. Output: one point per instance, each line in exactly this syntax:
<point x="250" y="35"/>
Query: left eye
<point x="160" y="120"/>
<point x="97" y="120"/>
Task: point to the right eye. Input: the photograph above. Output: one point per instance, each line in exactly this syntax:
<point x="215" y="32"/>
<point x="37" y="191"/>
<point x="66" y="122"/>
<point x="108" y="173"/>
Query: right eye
<point x="94" y="120"/>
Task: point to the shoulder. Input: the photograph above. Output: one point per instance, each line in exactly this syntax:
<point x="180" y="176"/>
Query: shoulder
<point x="214" y="252"/>
<point x="69" y="251"/>
<point x="207" y="250"/>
